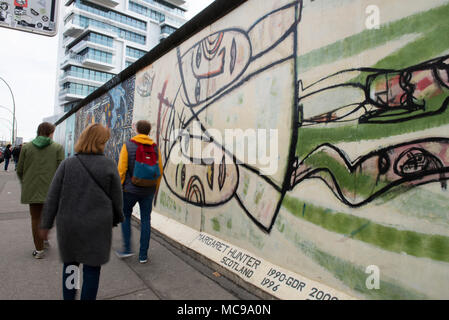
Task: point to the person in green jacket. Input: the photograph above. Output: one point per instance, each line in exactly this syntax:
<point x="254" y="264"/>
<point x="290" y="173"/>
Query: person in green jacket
<point x="37" y="165"/>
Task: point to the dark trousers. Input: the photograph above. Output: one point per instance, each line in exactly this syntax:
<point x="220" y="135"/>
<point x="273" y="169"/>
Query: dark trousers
<point x="146" y="205"/>
<point x="70" y="281"/>
<point x="6" y="163"/>
<point x="36" y="212"/>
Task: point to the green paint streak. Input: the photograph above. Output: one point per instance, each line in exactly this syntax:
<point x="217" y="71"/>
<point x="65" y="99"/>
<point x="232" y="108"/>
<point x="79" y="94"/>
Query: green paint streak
<point x="256" y="239"/>
<point x="355" y="277"/>
<point x="280" y="226"/>
<point x="424" y="204"/>
<point x="387" y="238"/>
<point x="167" y="202"/>
<point x="258" y="196"/>
<point x="430" y="44"/>
<point x="274" y="89"/>
<point x="348" y="273"/>
<point x="229" y="224"/>
<point x="240" y="97"/>
<point x="215" y="224"/>
<point x="202" y="221"/>
<point x="245" y="185"/>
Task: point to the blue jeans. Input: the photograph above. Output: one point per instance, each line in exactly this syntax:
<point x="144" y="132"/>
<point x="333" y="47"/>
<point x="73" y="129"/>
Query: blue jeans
<point x="91" y="280"/>
<point x="146" y="205"/>
<point x="6" y="163"/>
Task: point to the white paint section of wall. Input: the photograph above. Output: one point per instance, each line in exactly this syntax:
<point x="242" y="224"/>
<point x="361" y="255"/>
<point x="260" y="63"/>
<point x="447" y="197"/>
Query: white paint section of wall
<point x="275" y="280"/>
<point x="332" y="12"/>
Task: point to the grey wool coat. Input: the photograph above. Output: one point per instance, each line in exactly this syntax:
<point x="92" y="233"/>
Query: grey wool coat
<point x="83" y="212"/>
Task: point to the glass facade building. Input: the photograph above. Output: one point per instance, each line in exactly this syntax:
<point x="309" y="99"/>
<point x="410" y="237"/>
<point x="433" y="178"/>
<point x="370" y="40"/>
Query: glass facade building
<point x="99" y="39"/>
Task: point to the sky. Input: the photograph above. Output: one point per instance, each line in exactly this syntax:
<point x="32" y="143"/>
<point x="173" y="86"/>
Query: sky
<point x="28" y="63"/>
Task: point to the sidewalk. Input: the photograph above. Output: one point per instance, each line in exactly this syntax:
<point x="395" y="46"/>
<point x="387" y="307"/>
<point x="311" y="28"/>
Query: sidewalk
<point x="169" y="275"/>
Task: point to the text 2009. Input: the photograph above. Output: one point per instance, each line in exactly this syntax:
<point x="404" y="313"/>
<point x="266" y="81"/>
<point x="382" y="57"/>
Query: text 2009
<point x="320" y="295"/>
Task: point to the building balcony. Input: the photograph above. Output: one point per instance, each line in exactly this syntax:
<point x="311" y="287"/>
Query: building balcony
<point x="131" y="59"/>
<point x="70" y="95"/>
<point x="89" y="44"/>
<point x="94" y="63"/>
<point x="71" y="58"/>
<point x="179" y="3"/>
<point x="110" y="32"/>
<point x="70" y="41"/>
<point x="72" y="30"/>
<point x="178" y="11"/>
<point x="76" y="78"/>
<point x="87" y="61"/>
<point x="167" y="21"/>
<point x="107" y="3"/>
<point x="163" y="36"/>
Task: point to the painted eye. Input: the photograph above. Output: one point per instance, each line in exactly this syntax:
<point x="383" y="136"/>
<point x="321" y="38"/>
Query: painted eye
<point x="198" y="90"/>
<point x="233" y="56"/>
<point x="222" y="173"/>
<point x="210" y="176"/>
<point x="198" y="56"/>
<point x="183" y="176"/>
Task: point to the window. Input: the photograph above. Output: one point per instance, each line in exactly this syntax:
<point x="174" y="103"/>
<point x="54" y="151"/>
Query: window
<point x="98" y="55"/>
<point x="78" y="89"/>
<point x="107" y="13"/>
<point x="168" y="29"/>
<point x="122" y="33"/>
<point x="146" y="11"/>
<point x="134" y="53"/>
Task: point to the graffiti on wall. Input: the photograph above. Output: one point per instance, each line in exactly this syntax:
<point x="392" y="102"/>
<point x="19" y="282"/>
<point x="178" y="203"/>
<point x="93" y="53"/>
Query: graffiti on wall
<point x="363" y="131"/>
<point x="114" y="111"/>
<point x="225" y="62"/>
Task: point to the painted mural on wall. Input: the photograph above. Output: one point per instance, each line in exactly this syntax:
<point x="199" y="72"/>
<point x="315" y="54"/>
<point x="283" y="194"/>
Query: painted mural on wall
<point x="114" y="111"/>
<point x="363" y="130"/>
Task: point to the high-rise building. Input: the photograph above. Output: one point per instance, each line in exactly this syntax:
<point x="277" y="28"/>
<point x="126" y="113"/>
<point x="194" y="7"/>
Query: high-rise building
<point x="100" y="38"/>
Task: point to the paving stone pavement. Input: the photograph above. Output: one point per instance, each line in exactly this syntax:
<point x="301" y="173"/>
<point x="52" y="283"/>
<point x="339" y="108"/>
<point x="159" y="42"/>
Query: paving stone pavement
<point x="169" y="275"/>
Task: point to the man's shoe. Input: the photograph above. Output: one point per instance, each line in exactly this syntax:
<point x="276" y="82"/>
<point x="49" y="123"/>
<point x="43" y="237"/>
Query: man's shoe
<point x="142" y="261"/>
<point x="38" y="254"/>
<point x="123" y="255"/>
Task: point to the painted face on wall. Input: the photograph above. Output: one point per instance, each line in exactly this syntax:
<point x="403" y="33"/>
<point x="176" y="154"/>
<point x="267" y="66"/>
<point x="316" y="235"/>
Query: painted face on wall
<point x="213" y="72"/>
<point x="213" y="64"/>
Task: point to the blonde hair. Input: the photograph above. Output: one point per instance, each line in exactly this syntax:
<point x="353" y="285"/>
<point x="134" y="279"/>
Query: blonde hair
<point x="93" y="139"/>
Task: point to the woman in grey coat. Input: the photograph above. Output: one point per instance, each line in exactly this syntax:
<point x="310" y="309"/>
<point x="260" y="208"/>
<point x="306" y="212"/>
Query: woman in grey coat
<point x="85" y="198"/>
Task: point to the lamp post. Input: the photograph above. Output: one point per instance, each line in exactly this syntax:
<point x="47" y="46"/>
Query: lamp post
<point x="15" y="121"/>
<point x="14" y="109"/>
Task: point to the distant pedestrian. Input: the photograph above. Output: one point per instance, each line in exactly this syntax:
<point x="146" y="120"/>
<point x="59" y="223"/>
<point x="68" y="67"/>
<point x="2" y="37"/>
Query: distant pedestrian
<point x="16" y="154"/>
<point x="7" y="155"/>
<point x="85" y="199"/>
<point x="134" y="192"/>
<point x="37" y="165"/>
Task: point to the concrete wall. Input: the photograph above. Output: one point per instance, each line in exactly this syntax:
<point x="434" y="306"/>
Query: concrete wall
<point x="355" y="178"/>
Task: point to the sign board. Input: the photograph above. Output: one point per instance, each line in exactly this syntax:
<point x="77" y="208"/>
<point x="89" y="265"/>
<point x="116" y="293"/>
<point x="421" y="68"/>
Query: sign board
<point x="37" y="16"/>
